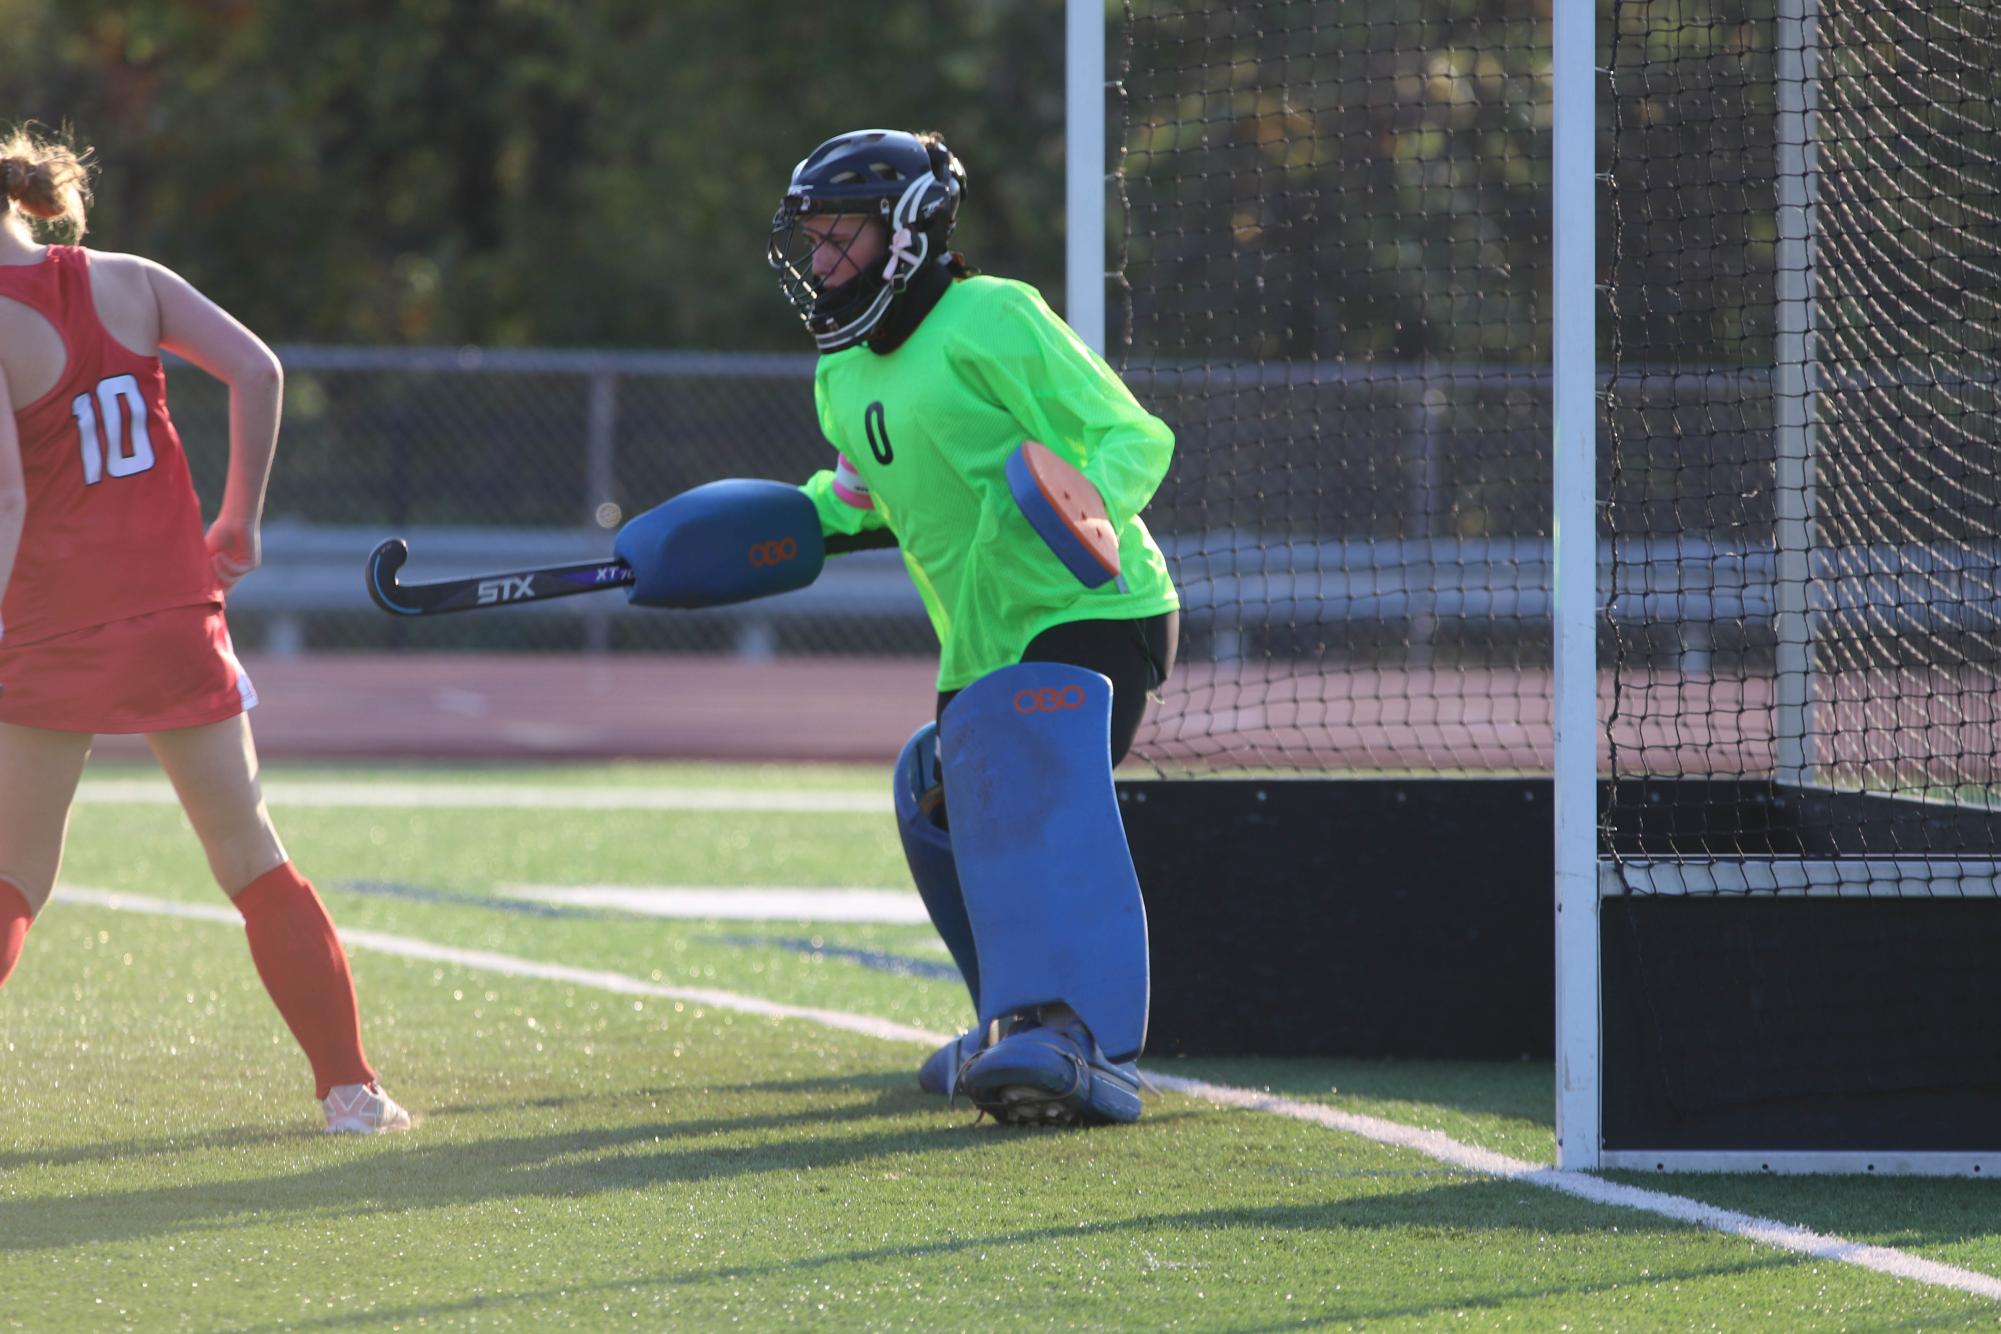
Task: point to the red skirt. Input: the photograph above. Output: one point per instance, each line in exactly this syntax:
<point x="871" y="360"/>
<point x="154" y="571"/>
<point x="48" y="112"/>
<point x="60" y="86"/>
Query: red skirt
<point x="152" y="673"/>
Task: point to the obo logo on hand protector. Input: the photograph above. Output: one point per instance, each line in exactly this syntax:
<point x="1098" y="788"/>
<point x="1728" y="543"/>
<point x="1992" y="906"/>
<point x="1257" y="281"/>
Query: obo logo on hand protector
<point x="773" y="553"/>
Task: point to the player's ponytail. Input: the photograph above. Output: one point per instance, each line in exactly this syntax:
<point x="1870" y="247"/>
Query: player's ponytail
<point x="45" y="178"/>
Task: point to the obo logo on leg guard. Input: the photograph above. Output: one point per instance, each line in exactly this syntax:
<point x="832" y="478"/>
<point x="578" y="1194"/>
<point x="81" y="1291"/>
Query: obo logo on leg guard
<point x="1049" y="699"/>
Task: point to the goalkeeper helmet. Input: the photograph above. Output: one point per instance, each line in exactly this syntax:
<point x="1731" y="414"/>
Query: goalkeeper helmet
<point x="863" y="213"/>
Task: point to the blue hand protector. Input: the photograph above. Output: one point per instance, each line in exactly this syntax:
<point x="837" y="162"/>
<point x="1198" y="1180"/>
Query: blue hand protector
<point x="928" y="849"/>
<point x="724" y="542"/>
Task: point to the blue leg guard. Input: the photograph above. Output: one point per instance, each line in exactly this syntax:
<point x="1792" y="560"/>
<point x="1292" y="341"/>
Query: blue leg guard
<point x="929" y="852"/>
<point x="1050" y="893"/>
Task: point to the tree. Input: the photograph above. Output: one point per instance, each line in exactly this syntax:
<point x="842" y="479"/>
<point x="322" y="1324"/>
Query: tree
<point x="580" y="172"/>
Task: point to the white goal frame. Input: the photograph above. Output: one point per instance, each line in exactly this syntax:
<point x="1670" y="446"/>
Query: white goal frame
<point x="1584" y="877"/>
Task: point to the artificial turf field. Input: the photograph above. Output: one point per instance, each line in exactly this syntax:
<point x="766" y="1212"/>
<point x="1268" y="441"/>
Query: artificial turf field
<point x="596" y="1158"/>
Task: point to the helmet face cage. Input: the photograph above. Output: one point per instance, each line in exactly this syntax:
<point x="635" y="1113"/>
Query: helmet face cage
<point x="912" y="189"/>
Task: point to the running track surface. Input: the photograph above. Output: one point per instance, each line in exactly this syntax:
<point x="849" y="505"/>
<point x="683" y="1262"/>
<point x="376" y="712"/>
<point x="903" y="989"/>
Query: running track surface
<point x="472" y="706"/>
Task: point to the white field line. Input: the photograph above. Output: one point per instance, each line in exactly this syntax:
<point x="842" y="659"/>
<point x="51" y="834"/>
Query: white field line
<point x="511" y="966"/>
<point x="1597" y="1190"/>
<point x="750" y="903"/>
<point x="1431" y="1143"/>
<point x="280" y="792"/>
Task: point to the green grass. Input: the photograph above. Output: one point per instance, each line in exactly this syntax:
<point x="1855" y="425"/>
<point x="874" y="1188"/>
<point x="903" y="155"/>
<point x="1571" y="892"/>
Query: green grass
<point x="788" y="777"/>
<point x="591" y="1160"/>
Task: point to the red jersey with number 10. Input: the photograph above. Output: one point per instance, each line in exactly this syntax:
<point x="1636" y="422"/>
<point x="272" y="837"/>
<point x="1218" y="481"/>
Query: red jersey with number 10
<point x="114" y="527"/>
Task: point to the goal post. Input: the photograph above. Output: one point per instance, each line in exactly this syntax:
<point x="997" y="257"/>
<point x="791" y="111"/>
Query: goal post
<point x="1795" y="70"/>
<point x="1084" y="170"/>
<point x="1574" y="450"/>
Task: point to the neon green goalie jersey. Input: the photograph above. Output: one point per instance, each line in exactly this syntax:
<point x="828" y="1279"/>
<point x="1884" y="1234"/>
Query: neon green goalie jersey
<point x="925" y="434"/>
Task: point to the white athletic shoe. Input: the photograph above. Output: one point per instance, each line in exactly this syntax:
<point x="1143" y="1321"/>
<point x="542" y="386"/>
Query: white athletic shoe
<point x="363" y="1109"/>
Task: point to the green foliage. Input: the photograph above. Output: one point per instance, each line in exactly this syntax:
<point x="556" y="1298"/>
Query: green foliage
<point x="1367" y="181"/>
<point x="523" y="171"/>
<point x="1364" y="181"/>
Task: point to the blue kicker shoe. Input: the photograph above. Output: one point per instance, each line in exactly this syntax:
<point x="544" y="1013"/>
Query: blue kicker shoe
<point x="940" y="1072"/>
<point x="1051" y="1074"/>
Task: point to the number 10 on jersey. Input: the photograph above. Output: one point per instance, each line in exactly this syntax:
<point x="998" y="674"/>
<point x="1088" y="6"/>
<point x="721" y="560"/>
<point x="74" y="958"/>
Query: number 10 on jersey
<point x="115" y="449"/>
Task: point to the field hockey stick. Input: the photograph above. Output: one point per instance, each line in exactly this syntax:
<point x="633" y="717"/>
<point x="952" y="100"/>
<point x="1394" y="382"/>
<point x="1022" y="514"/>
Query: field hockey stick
<point x="471" y="592"/>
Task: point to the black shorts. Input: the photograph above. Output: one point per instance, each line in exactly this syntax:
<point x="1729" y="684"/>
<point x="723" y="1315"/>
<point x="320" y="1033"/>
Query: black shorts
<point x="1135" y="656"/>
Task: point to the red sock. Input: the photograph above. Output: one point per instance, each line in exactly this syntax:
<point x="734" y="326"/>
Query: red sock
<point x="15" y="918"/>
<point x="292" y="942"/>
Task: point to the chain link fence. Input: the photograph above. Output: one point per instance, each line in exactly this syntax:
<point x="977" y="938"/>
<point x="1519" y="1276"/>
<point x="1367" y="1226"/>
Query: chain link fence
<point x="1383" y="515"/>
<point x="487" y="460"/>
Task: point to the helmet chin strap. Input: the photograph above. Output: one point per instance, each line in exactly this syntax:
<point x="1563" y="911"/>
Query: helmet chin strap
<point x="900" y="253"/>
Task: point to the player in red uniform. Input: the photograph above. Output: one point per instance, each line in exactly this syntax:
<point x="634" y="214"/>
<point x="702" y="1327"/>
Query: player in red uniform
<point x="112" y="613"/>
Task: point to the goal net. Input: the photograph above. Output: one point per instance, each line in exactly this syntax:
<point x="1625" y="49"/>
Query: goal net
<point x="1803" y="502"/>
<point x="1331" y="277"/>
